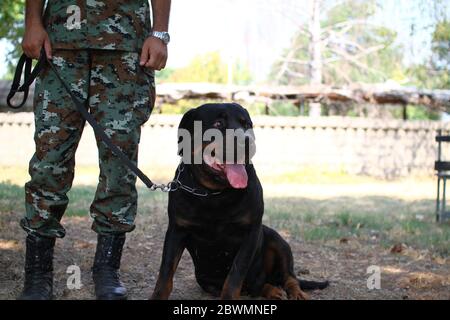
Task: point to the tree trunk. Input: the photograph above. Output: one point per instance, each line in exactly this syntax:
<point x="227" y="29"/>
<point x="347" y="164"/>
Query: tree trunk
<point x="315" y="49"/>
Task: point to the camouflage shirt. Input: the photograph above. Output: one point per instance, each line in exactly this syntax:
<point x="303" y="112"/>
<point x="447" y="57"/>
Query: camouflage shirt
<point x="98" y="24"/>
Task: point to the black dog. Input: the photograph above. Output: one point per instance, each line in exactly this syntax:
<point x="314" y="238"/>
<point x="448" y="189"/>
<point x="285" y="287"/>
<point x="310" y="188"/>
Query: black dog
<point x="216" y="215"/>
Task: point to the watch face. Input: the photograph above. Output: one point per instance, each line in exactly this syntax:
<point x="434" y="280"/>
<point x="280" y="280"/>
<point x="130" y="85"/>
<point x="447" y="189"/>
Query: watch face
<point x="166" y="37"/>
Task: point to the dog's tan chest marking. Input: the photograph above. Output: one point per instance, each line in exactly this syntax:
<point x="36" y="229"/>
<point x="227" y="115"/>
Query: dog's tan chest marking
<point x="184" y="222"/>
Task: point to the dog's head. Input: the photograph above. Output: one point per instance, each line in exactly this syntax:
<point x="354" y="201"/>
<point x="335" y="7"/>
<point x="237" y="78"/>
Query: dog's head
<point x="218" y="140"/>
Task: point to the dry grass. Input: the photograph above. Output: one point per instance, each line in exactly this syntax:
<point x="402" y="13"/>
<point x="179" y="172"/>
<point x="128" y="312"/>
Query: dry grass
<point x="304" y="176"/>
<point x="410" y="274"/>
<point x="336" y="231"/>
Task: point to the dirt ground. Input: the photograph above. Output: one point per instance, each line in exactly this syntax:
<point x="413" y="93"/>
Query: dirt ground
<point x="405" y="273"/>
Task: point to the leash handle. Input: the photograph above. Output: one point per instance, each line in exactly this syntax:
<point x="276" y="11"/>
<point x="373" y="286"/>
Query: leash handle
<point x="29" y="76"/>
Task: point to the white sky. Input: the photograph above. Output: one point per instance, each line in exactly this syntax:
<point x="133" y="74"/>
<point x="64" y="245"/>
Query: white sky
<point x="256" y="31"/>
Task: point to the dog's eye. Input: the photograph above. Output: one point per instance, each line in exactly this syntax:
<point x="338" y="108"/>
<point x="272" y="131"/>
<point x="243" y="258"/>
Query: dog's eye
<point x="218" y="124"/>
<point x="245" y="124"/>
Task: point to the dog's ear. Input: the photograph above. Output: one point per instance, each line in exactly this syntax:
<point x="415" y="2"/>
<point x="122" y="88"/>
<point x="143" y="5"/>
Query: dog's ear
<point x="186" y="123"/>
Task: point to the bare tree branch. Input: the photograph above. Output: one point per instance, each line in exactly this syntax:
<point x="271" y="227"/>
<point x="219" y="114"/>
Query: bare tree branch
<point x="331" y="60"/>
<point x="334" y="38"/>
<point x="357" y="63"/>
<point x="370" y="50"/>
<point x="347" y="25"/>
<point x="296" y="74"/>
<point x="362" y="51"/>
<point x="295" y="61"/>
<point x="342" y="74"/>
<point x="284" y="65"/>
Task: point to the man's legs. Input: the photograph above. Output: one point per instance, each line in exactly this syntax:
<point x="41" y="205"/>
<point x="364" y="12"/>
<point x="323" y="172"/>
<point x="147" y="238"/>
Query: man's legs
<point x="121" y="100"/>
<point x="58" y="129"/>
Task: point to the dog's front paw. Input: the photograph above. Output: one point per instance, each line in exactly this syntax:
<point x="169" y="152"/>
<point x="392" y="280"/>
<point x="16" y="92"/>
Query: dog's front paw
<point x="273" y="293"/>
<point x="298" y="295"/>
<point x="158" y="295"/>
<point x="226" y="295"/>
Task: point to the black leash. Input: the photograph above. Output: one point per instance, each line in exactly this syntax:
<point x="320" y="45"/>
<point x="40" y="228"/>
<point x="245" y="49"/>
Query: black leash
<point x="30" y="75"/>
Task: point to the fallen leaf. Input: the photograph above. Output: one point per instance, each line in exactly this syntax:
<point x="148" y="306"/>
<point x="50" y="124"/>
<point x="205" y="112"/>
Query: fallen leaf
<point x="398" y="248"/>
<point x="79" y="244"/>
<point x="9" y="244"/>
<point x="439" y="260"/>
<point x="303" y="271"/>
<point x="423" y="280"/>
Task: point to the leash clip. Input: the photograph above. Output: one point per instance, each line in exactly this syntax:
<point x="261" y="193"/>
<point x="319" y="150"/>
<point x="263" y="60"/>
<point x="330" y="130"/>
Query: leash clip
<point x="155" y="187"/>
<point x="171" y="186"/>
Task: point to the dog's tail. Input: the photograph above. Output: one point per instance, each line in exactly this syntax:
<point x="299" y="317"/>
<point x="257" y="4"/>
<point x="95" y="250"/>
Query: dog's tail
<point x="313" y="285"/>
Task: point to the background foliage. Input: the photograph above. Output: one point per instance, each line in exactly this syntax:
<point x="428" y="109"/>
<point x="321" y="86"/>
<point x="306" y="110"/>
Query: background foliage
<point x="354" y="50"/>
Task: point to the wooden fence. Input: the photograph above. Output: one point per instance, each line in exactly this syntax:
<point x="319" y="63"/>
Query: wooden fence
<point x="360" y="94"/>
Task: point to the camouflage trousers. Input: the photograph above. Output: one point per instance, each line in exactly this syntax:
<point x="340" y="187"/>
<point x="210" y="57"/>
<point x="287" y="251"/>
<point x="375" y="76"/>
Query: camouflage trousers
<point x="120" y="95"/>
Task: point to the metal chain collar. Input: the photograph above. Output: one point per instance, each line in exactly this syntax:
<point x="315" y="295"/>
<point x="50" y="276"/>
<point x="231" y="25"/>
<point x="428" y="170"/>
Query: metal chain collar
<point x="176" y="184"/>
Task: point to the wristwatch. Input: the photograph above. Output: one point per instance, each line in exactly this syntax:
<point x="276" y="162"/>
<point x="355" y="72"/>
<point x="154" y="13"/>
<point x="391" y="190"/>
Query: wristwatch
<point x="163" y="35"/>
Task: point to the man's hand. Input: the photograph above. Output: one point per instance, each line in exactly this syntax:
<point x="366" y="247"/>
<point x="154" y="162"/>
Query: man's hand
<point x="34" y="39"/>
<point x="35" y="36"/>
<point x="154" y="54"/>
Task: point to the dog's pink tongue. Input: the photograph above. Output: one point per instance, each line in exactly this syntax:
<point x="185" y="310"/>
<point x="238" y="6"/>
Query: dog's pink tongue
<point x="236" y="175"/>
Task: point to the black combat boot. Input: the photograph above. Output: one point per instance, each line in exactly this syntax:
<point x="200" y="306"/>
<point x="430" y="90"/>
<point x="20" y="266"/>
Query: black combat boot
<point x="38" y="268"/>
<point x="106" y="268"/>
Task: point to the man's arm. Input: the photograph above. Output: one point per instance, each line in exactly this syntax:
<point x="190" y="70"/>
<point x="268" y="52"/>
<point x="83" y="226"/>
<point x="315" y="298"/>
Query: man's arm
<point x="154" y="51"/>
<point x="35" y="36"/>
<point x="161" y="13"/>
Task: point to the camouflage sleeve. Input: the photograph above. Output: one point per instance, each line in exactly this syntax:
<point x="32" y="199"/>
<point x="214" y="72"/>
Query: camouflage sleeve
<point x="107" y="24"/>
